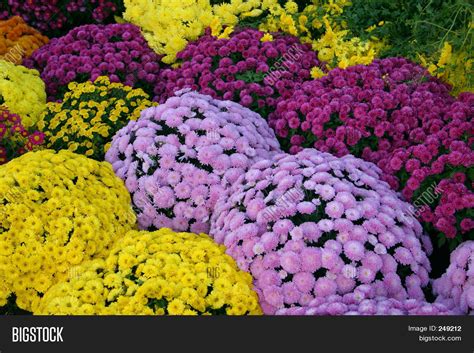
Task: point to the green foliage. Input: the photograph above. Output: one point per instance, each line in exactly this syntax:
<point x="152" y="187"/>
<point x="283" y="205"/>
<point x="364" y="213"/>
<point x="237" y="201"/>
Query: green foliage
<point x="413" y="27"/>
<point x="250" y="76"/>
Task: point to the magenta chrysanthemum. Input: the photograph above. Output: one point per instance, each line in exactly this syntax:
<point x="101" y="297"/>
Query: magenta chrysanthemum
<point x="367" y="111"/>
<point x="436" y="175"/>
<point x="118" y="51"/>
<point x="244" y="69"/>
<point x="177" y="159"/>
<point x="456" y="286"/>
<point x="295" y="257"/>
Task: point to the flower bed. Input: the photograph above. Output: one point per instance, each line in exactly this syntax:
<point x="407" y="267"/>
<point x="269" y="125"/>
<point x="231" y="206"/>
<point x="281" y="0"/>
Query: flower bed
<point x="193" y="105"/>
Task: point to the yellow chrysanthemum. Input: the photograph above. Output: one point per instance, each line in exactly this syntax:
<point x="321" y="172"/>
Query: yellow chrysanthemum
<point x="22" y="91"/>
<point x="267" y="37"/>
<point x="81" y="207"/>
<point x="321" y="27"/>
<point x="89" y="116"/>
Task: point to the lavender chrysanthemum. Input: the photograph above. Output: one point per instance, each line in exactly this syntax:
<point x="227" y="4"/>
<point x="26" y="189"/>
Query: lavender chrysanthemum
<point x="355" y="234"/>
<point x="363" y="302"/>
<point x="456" y="285"/>
<point x="177" y="159"/>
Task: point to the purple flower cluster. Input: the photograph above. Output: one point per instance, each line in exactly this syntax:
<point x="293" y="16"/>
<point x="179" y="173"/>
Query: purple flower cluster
<point x="367" y="111"/>
<point x="244" y="69"/>
<point x="118" y="51"/>
<point x="456" y="286"/>
<point x="312" y="225"/>
<point x="363" y="302"/>
<point x="178" y="158"/>
<point x="56" y="17"/>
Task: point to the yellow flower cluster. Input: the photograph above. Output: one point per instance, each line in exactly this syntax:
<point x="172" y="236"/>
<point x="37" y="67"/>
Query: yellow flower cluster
<point x="317" y="24"/>
<point x="454" y="68"/>
<point x="90" y="115"/>
<point x="22" y="91"/>
<point x="168" y="25"/>
<point x="156" y="273"/>
<point x="56" y="210"/>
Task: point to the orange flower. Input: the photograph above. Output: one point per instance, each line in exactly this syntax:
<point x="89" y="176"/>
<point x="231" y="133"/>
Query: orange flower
<point x="18" y="40"/>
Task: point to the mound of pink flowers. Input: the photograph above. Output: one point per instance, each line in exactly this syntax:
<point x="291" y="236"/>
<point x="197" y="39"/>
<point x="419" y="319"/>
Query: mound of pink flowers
<point x="57" y="17"/>
<point x="312" y="225"/>
<point x="118" y="51"/>
<point x="456" y="286"/>
<point x="363" y="302"/>
<point x="367" y="111"/>
<point x="177" y="159"/>
<point x="244" y="69"/>
<point x="436" y="176"/>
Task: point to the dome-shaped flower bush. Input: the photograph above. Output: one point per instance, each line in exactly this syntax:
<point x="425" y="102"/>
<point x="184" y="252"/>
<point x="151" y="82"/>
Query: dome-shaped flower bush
<point x="22" y="91"/>
<point x="436" y="176"/>
<point x="87" y="52"/>
<point x="90" y="114"/>
<point x="312" y="225"/>
<point x="57" y="17"/>
<point x="456" y="286"/>
<point x="367" y="111"/>
<point x="158" y="273"/>
<point x="243" y="68"/>
<point x="363" y="302"/>
<point x="177" y="157"/>
<point x="56" y="210"/>
<point x="15" y="139"/>
<point x="18" y="40"/>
